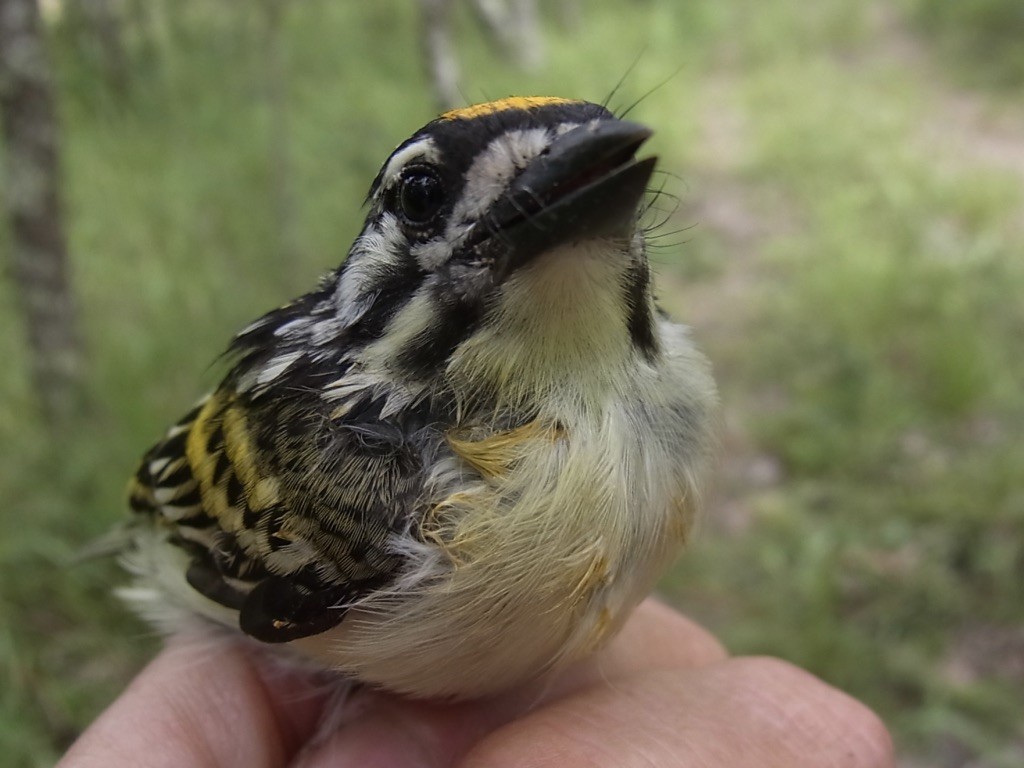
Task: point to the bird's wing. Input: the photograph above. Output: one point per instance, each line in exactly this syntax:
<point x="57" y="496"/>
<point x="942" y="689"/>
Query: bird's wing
<point x="286" y="505"/>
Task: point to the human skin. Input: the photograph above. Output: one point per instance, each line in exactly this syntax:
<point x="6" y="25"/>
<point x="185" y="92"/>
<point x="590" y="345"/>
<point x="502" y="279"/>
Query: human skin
<point x="664" y="693"/>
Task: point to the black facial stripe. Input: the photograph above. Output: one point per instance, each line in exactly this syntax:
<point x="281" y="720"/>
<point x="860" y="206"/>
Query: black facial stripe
<point x="394" y="285"/>
<point x="640" y="321"/>
<point x="454" y="321"/>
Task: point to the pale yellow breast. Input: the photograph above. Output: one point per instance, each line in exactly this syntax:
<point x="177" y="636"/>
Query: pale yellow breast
<point x="535" y="563"/>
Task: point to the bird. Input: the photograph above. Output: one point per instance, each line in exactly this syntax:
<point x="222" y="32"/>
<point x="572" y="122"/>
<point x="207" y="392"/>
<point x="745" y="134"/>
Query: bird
<point x="459" y="462"/>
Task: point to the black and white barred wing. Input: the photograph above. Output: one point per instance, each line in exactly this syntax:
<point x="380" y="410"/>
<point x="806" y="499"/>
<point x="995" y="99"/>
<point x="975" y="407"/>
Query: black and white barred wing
<point x="285" y="506"/>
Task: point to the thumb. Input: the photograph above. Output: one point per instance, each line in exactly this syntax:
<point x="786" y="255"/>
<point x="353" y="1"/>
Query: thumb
<point x="202" y="702"/>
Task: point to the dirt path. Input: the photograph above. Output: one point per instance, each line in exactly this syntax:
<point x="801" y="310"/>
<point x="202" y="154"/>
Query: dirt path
<point x="965" y="128"/>
<point x="962" y="129"/>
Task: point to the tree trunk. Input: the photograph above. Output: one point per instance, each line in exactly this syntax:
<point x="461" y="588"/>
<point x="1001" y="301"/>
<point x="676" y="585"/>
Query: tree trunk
<point x="514" y="26"/>
<point x="570" y="15"/>
<point x="435" y="38"/>
<point x="530" y="39"/>
<point x="39" y="251"/>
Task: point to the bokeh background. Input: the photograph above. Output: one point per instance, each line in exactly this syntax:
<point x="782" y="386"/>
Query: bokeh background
<point x="847" y="243"/>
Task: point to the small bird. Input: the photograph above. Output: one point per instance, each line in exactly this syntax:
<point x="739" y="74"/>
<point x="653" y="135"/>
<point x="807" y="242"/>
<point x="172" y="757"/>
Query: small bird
<point x="467" y="455"/>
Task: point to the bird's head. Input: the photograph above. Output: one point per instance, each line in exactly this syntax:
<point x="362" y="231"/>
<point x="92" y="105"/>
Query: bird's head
<point x="502" y="250"/>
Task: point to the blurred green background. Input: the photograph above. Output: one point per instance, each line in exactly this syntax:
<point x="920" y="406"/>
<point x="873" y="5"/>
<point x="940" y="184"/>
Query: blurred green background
<point x="848" y="246"/>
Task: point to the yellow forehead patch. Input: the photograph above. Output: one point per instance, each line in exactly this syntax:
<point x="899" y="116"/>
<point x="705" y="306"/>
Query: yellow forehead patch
<point x="501" y="105"/>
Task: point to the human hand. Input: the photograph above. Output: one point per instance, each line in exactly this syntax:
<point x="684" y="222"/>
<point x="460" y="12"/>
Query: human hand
<point x="664" y="693"/>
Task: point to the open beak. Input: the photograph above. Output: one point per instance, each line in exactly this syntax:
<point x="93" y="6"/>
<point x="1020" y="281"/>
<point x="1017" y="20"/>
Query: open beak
<point x="587" y="185"/>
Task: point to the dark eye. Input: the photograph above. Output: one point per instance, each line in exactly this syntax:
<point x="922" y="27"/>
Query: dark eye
<point x="420" y="195"/>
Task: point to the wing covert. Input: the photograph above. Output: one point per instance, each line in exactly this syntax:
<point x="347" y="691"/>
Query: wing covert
<point x="286" y="512"/>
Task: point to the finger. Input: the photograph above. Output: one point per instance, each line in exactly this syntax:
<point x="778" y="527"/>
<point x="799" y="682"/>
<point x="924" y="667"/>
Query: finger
<point x="739" y="713"/>
<point x="659" y="636"/>
<point x="655" y="637"/>
<point x="201" y="703"/>
<point x="395" y="732"/>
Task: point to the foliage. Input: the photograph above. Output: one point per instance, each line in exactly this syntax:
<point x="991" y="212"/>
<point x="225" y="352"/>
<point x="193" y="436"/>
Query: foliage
<point x="985" y="33"/>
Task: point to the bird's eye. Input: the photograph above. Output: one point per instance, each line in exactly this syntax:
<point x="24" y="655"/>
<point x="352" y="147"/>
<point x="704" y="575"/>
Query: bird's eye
<point x="420" y="195"/>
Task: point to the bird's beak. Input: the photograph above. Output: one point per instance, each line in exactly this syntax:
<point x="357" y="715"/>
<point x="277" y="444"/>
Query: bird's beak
<point x="587" y="185"/>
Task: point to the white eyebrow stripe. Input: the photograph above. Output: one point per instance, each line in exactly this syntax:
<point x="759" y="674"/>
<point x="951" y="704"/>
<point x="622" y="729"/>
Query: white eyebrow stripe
<point x="425" y="149"/>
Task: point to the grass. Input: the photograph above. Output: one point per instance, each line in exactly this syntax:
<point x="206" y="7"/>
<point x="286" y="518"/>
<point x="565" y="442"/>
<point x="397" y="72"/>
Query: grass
<point x="872" y="357"/>
<point x="884" y="381"/>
